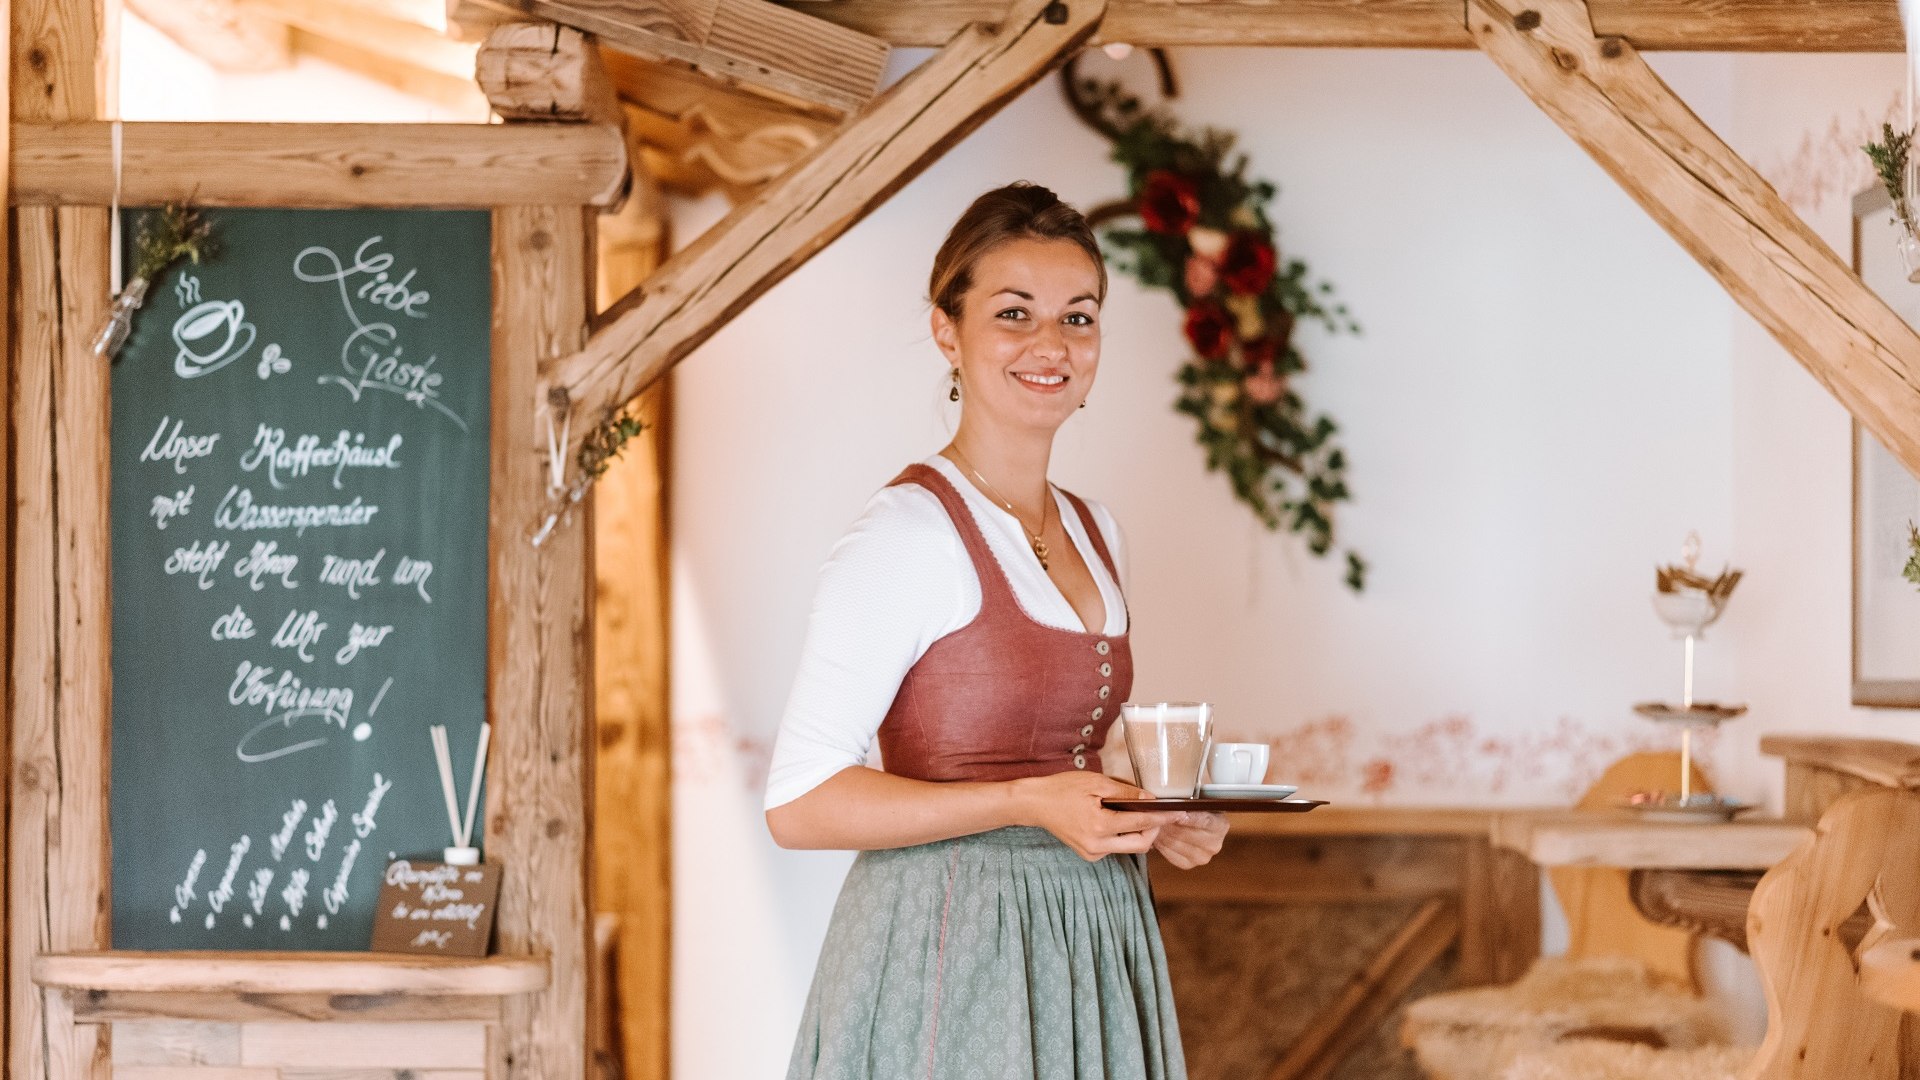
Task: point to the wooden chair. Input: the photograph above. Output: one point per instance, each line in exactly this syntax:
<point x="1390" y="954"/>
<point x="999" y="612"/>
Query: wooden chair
<point x="1622" y="976"/>
<point x="1820" y="1026"/>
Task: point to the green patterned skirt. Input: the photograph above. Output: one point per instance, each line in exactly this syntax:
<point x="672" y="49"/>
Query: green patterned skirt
<point x="1001" y="956"/>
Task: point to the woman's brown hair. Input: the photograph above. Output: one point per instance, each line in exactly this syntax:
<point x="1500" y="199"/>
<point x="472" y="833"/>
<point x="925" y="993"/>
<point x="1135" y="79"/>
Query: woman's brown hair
<point x="1018" y="211"/>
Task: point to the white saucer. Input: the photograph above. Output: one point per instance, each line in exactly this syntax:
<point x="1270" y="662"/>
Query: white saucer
<point x="1246" y="791"/>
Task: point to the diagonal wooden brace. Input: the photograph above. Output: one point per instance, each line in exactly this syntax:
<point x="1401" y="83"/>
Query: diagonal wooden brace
<point x="1605" y="96"/>
<point x="768" y="237"/>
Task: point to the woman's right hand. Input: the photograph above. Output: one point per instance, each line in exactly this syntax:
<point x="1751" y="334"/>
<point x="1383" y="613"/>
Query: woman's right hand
<point x="1068" y="806"/>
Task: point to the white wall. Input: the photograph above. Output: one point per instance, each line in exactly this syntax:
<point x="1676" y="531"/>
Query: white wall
<point x="1549" y="394"/>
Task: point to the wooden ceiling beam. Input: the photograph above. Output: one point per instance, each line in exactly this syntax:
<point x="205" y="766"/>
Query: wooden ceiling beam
<point x="220" y="32"/>
<point x="790" y="220"/>
<point x="751" y="43"/>
<point x="397" y="40"/>
<point x="450" y="165"/>
<point x="1690" y="25"/>
<point x="545" y="71"/>
<point x="1604" y="95"/>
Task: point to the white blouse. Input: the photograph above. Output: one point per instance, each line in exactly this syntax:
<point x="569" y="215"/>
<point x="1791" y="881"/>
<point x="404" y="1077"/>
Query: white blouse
<point x="898" y="581"/>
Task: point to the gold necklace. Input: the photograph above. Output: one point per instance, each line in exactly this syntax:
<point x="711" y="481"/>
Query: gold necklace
<point x="1033" y="537"/>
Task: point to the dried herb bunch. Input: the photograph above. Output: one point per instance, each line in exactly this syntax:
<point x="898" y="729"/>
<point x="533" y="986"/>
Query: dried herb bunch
<point x="1912" y="570"/>
<point x="605" y="442"/>
<point x="167" y="235"/>
<point x="1889" y="159"/>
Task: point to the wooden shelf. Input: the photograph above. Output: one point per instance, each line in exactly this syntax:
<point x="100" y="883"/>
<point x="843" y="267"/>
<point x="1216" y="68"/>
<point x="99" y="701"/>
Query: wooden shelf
<point x="291" y="973"/>
<point x="1618" y="838"/>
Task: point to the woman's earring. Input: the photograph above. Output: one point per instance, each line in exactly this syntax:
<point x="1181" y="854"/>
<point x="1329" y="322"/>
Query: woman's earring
<point x="1083" y="403"/>
<point x="954" y="394"/>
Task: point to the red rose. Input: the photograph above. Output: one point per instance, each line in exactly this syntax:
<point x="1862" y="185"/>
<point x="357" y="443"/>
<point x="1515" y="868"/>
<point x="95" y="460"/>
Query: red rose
<point x="1209" y="329"/>
<point x="1247" y="266"/>
<point x="1169" y="202"/>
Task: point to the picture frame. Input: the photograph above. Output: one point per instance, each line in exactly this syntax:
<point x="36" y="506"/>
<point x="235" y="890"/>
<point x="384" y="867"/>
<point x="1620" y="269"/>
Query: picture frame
<point x="1885" y="499"/>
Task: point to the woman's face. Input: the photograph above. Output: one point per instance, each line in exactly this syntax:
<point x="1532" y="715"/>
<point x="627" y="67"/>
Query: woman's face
<point x="1027" y="341"/>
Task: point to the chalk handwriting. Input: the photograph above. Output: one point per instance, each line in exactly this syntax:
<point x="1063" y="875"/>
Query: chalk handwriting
<point x="414" y="572"/>
<point x="361" y="637"/>
<point x="168" y="507"/>
<point x="257" y="892"/>
<point x="233" y="626"/>
<point x="237" y="510"/>
<point x="363" y="822"/>
<point x="210" y="335"/>
<point x="294" y="896"/>
<point x="175" y="447"/>
<point x="348" y="450"/>
<point x="218" y="898"/>
<point x="371" y="355"/>
<point x="335" y="897"/>
<point x="286" y="700"/>
<point x="183" y="893"/>
<point x="289" y="823"/>
<point x="439" y="939"/>
<point x="372" y="266"/>
<point x="186" y="290"/>
<point x="264" y="560"/>
<point x="198" y="561"/>
<point x="297" y="631"/>
<point x="352" y="574"/>
<point x="316" y="838"/>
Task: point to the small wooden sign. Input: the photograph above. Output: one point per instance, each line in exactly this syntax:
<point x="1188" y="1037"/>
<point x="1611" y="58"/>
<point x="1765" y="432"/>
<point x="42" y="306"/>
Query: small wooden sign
<point x="436" y="908"/>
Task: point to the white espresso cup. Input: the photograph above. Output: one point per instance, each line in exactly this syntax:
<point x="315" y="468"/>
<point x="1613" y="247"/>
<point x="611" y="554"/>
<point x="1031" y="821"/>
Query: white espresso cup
<point x="1238" y="763"/>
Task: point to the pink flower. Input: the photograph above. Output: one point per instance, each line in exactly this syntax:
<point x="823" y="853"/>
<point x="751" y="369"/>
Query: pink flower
<point x="1203" y="276"/>
<point x="1263" y="387"/>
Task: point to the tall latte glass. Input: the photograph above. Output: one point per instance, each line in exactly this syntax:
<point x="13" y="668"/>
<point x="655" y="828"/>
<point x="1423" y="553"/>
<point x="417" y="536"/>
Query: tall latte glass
<point x="1168" y="742"/>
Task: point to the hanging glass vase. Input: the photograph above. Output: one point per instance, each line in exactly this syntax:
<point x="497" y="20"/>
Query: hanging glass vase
<point x="119" y="323"/>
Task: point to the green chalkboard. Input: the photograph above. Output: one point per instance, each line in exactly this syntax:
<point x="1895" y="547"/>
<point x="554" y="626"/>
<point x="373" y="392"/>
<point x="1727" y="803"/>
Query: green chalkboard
<point x="299" y="572"/>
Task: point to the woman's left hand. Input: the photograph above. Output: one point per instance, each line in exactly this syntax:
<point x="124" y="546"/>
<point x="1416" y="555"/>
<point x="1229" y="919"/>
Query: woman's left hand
<point x="1193" y="842"/>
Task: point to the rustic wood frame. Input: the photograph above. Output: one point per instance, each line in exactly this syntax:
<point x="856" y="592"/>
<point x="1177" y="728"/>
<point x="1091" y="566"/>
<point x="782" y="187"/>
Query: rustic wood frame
<point x="539" y="603"/>
<point x="1578" y="61"/>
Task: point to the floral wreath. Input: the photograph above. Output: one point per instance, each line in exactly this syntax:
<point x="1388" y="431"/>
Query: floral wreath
<point x="1206" y="237"/>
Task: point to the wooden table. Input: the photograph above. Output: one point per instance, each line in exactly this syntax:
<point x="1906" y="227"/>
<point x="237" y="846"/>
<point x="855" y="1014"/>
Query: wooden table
<point x="1620" y="838"/>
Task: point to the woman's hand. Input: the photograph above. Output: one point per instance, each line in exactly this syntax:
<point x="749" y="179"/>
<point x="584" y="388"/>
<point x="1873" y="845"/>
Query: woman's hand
<point x="1193" y="842"/>
<point x="1068" y="806"/>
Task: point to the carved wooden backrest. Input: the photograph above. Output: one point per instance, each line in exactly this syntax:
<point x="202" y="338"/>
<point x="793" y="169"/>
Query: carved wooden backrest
<point x="1865" y="849"/>
<point x="1601" y="917"/>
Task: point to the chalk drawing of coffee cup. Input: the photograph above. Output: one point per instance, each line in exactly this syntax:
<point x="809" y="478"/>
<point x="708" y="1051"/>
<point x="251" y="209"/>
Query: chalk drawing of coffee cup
<point x="210" y="335"/>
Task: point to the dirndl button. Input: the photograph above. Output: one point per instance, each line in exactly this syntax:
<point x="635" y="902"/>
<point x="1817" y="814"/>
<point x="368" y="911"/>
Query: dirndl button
<point x="1087" y="732"/>
<point x="1079" y="761"/>
<point x="1099" y="711"/>
<point x="1105" y="692"/>
<point x="1103" y="648"/>
<point x="1106" y="669"/>
<point x="1079" y="748"/>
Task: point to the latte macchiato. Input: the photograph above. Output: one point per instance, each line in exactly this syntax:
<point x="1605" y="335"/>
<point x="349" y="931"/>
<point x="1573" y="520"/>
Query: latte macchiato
<point x="1167" y="742"/>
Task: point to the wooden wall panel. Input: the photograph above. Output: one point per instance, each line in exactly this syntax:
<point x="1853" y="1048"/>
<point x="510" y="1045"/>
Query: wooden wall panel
<point x="540" y="652"/>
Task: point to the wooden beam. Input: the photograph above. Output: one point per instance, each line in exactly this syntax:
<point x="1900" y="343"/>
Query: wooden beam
<point x="751" y="43"/>
<point x="633" y="786"/>
<point x="1604" y="95"/>
<point x="477" y="165"/>
<point x="1686" y="25"/>
<point x="219" y="32"/>
<point x="1350" y="1018"/>
<point x="455" y="93"/>
<point x="397" y="40"/>
<point x="539" y="653"/>
<point x="767" y="238"/>
<point x="57" y="850"/>
<point x="544" y="71"/>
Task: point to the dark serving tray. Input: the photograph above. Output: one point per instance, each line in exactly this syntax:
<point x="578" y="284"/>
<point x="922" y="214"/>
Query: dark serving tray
<point x="1218" y="806"/>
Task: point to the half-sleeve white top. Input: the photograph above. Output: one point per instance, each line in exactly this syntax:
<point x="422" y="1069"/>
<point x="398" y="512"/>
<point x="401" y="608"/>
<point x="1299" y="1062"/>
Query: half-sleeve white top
<point x="898" y="581"/>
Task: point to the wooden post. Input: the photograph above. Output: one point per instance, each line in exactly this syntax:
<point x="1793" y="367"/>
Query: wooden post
<point x="633" y="797"/>
<point x="1604" y="95"/>
<point x="539" y="653"/>
<point x="767" y="238"/>
<point x="57" y="834"/>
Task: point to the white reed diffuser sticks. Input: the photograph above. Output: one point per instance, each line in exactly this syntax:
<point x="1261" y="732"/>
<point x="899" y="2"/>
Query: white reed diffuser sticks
<point x="462" y="853"/>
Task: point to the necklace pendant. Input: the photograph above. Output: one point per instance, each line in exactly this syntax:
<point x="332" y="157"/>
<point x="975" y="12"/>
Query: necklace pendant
<point x="1039" y="550"/>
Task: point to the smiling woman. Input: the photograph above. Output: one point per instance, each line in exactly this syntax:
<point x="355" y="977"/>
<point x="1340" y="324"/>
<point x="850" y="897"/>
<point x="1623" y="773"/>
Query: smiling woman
<point x="997" y="921"/>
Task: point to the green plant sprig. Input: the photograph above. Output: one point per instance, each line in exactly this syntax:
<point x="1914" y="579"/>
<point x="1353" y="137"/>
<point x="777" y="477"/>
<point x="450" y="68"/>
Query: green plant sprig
<point x="606" y="442"/>
<point x="1912" y="570"/>
<point x="167" y="235"/>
